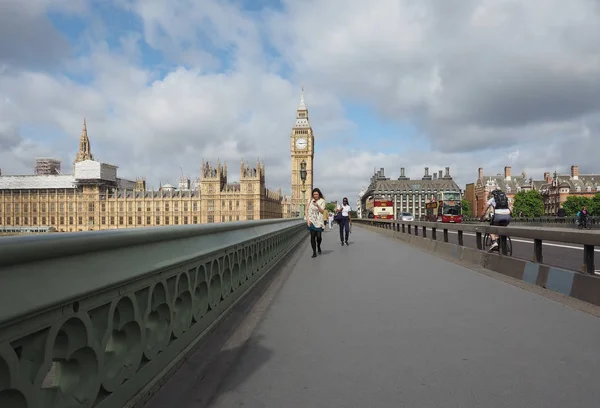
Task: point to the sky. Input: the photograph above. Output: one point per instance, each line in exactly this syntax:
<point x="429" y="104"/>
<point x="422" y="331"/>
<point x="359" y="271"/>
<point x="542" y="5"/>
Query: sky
<point x="394" y="83"/>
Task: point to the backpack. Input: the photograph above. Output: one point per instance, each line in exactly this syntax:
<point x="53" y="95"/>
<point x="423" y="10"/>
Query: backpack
<point x="501" y="200"/>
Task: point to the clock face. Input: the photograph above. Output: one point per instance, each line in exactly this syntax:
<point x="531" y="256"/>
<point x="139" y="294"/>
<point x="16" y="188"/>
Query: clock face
<point x="301" y="144"/>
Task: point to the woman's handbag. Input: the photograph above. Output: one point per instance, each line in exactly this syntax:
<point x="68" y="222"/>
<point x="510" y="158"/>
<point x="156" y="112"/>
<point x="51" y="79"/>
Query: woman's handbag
<point x="338" y="216"/>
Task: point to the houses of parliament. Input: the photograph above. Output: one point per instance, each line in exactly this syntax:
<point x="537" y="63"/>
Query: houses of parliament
<point x="94" y="198"/>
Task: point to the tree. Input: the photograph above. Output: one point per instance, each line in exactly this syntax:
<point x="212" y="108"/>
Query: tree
<point x="330" y="207"/>
<point x="466" y="208"/>
<point x="528" y="204"/>
<point x="594" y="207"/>
<point x="574" y="203"/>
<point x="353" y="214"/>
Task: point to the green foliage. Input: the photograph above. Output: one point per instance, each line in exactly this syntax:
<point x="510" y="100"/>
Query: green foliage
<point x="353" y="214"/>
<point x="528" y="204"/>
<point x="330" y="207"/>
<point x="573" y="205"/>
<point x="594" y="206"/>
<point x="466" y="208"/>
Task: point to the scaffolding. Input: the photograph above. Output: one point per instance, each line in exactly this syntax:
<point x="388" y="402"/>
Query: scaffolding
<point x="46" y="166"/>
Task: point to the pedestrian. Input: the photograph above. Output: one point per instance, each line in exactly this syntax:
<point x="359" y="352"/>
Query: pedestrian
<point x="315" y="221"/>
<point x="344" y="220"/>
<point x="330" y="219"/>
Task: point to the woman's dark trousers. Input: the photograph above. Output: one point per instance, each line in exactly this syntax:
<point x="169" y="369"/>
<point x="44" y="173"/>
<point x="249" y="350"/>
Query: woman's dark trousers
<point x="344" y="229"/>
<point x="315" y="241"/>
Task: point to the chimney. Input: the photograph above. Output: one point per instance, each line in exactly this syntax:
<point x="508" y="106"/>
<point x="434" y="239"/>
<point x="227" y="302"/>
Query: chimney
<point x="547" y="176"/>
<point x="575" y="172"/>
<point x="0" y="172"/>
<point x="440" y="176"/>
<point x="402" y="172"/>
<point x="480" y="174"/>
<point x="507" y="172"/>
<point x="435" y="176"/>
<point x="447" y="172"/>
<point x="426" y="171"/>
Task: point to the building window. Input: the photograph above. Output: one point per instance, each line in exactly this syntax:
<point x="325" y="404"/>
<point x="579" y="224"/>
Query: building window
<point x="195" y="207"/>
<point x="52" y="221"/>
<point x="130" y="220"/>
<point x="148" y="220"/>
<point x="195" y="220"/>
<point x="139" y="219"/>
<point x="130" y="206"/>
<point x="250" y="217"/>
<point x="230" y="205"/>
<point x="166" y="220"/>
<point x="139" y="207"/>
<point x="35" y="208"/>
<point x="121" y="220"/>
<point x="176" y="220"/>
<point x="222" y="218"/>
<point x="91" y="221"/>
<point x="185" y="219"/>
<point x="185" y="206"/>
<point x="103" y="207"/>
<point x="176" y="206"/>
<point x="70" y="220"/>
<point x="61" y="220"/>
<point x="112" y="220"/>
<point x="43" y="220"/>
<point x="167" y="207"/>
<point x="237" y="217"/>
<point x="211" y="205"/>
<point x="103" y="220"/>
<point x="211" y="218"/>
<point x="157" y="220"/>
<point x="43" y="207"/>
<point x="35" y="221"/>
<point x="90" y="206"/>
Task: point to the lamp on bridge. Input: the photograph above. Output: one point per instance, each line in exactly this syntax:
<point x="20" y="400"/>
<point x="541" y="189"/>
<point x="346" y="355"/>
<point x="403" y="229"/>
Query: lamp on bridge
<point x="303" y="178"/>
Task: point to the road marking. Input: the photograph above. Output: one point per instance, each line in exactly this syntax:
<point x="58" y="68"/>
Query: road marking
<point x="531" y="242"/>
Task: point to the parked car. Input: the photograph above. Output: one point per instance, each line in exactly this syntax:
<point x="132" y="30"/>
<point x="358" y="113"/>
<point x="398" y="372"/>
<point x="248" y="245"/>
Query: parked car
<point x="406" y="216"/>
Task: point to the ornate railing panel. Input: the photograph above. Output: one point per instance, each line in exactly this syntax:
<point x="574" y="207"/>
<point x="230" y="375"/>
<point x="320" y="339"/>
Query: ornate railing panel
<point x="92" y="319"/>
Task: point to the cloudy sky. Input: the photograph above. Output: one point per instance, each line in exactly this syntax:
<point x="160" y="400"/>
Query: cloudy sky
<point x="391" y="83"/>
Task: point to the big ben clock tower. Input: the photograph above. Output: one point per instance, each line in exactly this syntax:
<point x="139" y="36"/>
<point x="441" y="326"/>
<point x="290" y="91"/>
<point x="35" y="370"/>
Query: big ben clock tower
<point x="302" y="147"/>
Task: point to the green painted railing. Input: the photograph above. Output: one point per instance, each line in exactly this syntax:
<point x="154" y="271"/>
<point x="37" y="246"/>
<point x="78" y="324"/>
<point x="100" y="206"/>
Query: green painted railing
<point x="96" y="319"/>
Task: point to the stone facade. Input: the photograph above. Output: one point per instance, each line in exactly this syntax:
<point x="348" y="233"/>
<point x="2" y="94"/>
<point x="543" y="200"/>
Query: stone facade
<point x="554" y="189"/>
<point x="93" y="198"/>
<point x="558" y="187"/>
<point x="408" y="195"/>
<point x="506" y="182"/>
<point x="302" y="149"/>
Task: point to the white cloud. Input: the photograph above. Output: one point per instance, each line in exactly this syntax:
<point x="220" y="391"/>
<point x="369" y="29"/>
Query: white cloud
<point x="488" y="83"/>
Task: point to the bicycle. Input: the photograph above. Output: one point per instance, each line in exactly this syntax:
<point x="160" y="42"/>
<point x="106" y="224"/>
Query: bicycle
<point x="588" y="224"/>
<point x="487" y="243"/>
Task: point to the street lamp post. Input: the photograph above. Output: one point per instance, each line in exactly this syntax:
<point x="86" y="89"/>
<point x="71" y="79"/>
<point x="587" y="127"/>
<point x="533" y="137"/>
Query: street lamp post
<point x="303" y="178"/>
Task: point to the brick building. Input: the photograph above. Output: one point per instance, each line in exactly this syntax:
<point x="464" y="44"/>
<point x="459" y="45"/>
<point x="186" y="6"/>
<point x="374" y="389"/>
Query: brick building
<point x="556" y="188"/>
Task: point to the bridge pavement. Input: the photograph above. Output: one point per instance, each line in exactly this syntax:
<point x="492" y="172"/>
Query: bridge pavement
<point x="381" y="324"/>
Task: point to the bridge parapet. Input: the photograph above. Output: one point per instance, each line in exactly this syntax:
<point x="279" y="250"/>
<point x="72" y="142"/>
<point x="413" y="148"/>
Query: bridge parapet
<point x="568" y="222"/>
<point x="588" y="239"/>
<point x="95" y="319"/>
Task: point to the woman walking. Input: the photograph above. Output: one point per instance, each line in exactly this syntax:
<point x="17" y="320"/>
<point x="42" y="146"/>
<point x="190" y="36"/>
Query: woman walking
<point x="344" y="221"/>
<point x="315" y="220"/>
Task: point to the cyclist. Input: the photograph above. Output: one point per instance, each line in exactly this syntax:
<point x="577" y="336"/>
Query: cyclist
<point x="583" y="216"/>
<point x="501" y="215"/>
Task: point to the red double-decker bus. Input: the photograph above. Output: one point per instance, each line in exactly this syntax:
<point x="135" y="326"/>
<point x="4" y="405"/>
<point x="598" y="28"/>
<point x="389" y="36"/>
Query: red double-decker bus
<point x="383" y="209"/>
<point x="446" y="207"/>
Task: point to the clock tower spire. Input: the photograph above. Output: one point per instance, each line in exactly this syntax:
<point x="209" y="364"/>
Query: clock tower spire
<point x="302" y="150"/>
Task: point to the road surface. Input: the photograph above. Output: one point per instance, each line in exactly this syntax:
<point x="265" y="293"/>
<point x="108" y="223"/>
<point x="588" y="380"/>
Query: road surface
<point x="380" y="324"/>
